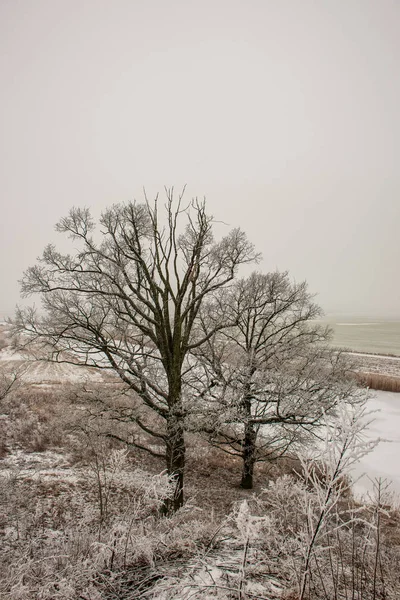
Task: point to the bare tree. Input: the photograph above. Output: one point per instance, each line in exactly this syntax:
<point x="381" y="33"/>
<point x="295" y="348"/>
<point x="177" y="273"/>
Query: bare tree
<point x="272" y="378"/>
<point x="129" y="303"/>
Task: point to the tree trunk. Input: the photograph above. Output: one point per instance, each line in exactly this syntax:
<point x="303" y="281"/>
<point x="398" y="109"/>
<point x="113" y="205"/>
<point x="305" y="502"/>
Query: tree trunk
<point x="248" y="455"/>
<point x="175" y="452"/>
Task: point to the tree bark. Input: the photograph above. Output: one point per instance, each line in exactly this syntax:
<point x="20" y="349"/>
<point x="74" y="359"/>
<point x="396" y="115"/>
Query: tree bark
<point x="248" y="455"/>
<point x="249" y="438"/>
<point x="176" y="460"/>
<point x="175" y="452"/>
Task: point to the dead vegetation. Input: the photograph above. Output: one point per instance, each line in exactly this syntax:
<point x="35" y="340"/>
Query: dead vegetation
<point x="58" y="542"/>
<point x="4" y="339"/>
<point x="79" y="519"/>
<point x="377" y="381"/>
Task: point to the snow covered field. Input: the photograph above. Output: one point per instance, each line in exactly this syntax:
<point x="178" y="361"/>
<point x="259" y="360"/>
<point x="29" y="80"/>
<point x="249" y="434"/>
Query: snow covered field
<point x="46" y="373"/>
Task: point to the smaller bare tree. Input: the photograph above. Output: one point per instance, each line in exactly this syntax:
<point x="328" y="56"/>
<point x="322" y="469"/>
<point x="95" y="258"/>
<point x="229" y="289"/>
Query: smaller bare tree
<point x="272" y="378"/>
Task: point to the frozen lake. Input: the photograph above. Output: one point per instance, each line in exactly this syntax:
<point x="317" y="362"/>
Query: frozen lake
<point x="384" y="460"/>
<point x="365" y="334"/>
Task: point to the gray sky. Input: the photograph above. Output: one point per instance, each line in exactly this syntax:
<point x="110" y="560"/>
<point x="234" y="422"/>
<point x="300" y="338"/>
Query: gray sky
<point x="284" y="114"/>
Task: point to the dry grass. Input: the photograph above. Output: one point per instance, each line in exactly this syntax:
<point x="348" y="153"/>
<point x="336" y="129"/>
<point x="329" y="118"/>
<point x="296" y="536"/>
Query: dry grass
<point x="34" y="420"/>
<point x="376" y="381"/>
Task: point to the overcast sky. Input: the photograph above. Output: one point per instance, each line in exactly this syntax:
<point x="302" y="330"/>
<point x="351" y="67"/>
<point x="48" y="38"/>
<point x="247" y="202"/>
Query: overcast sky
<point x="283" y="113"/>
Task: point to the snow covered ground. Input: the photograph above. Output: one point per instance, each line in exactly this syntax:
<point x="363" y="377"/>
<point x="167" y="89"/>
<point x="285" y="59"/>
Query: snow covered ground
<point x="384" y="460"/>
<point x="45" y="373"/>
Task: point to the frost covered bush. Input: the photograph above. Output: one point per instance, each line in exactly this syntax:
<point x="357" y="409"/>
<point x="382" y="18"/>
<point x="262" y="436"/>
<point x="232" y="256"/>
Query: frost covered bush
<point x="320" y="542"/>
<point x="305" y="537"/>
<point x="35" y="419"/>
<point x="56" y="543"/>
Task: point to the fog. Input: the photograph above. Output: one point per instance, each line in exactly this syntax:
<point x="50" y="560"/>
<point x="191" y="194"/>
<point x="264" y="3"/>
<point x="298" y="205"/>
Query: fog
<point x="284" y="115"/>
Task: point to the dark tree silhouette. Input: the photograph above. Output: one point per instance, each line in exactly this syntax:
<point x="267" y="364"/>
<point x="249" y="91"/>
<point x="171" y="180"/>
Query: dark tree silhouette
<point x="129" y="301"/>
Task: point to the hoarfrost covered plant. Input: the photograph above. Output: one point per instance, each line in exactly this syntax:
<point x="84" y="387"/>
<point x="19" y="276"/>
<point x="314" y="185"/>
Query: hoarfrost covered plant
<point x="111" y="473"/>
<point x="345" y="445"/>
<point x="250" y="526"/>
<point x="10" y="381"/>
<point x="53" y="547"/>
<point x="304" y="536"/>
<point x="310" y="536"/>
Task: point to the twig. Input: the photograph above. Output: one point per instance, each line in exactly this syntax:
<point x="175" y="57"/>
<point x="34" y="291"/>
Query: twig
<point x="243" y="575"/>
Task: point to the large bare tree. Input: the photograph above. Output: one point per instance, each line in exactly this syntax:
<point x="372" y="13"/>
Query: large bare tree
<point x="272" y="378"/>
<point x="128" y="301"/>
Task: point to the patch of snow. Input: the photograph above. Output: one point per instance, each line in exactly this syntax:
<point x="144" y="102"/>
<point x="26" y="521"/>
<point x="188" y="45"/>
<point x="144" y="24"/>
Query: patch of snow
<point x="44" y="466"/>
<point x="47" y="372"/>
<point x="220" y="571"/>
